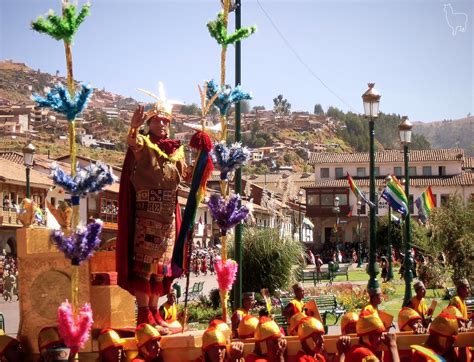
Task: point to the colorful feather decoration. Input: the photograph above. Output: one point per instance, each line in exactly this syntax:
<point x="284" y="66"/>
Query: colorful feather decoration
<point x="81" y="244"/>
<point x="92" y="178"/>
<point x="62" y="27"/>
<point x="218" y="30"/>
<point x="59" y="100"/>
<point x="226" y="273"/>
<point x="226" y="214"/>
<point x="74" y="329"/>
<point x="230" y="159"/>
<point x="226" y="96"/>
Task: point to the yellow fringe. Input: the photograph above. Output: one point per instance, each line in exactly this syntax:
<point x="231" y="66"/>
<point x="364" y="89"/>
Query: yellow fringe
<point x="178" y="155"/>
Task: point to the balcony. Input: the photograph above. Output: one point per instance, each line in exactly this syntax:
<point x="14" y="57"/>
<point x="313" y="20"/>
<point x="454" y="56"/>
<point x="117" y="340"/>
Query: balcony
<point x="8" y="218"/>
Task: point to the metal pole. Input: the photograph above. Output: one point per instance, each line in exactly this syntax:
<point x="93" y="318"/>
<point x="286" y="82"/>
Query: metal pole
<point x="389" y="249"/>
<point x="27" y="182"/>
<point x="301" y="224"/>
<point x="238" y="173"/>
<point x="359" y="259"/>
<point x="373" y="282"/>
<point x="408" y="262"/>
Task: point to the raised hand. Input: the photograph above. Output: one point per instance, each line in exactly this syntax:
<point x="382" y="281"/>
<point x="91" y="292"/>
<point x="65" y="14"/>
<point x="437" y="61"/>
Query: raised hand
<point x="138" y="117"/>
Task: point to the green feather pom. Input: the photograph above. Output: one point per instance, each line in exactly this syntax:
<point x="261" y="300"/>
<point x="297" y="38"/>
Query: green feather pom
<point x="62" y="27"/>
<point x="218" y="31"/>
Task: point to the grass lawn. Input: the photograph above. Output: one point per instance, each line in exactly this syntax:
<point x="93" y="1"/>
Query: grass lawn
<point x="394" y="303"/>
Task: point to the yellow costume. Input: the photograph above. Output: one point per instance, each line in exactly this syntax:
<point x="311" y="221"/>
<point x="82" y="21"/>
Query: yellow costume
<point x="459" y="304"/>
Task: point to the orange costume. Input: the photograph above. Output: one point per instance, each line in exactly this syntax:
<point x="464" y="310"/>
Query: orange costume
<point x="419" y="306"/>
<point x="266" y="329"/>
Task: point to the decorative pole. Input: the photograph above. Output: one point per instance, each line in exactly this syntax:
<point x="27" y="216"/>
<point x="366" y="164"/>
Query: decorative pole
<point x="238" y="289"/>
<point x="371" y="99"/>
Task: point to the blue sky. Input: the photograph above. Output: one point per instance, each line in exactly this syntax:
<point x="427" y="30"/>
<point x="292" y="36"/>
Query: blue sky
<point x="405" y="47"/>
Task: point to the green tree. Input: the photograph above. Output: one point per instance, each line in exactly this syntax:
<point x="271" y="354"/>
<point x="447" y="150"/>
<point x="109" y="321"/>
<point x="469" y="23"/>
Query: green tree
<point x="258" y="108"/>
<point x="191" y="109"/>
<point x="318" y="109"/>
<point x="245" y="107"/>
<point x="281" y="106"/>
<point x="453" y="232"/>
<point x="419" y="142"/>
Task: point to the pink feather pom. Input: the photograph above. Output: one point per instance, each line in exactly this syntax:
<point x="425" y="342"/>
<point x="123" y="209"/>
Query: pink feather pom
<point x="74" y="329"/>
<point x="226" y="273"/>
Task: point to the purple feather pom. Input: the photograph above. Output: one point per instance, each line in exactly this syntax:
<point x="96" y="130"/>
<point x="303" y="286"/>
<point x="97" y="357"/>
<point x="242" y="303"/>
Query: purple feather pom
<point x="81" y="244"/>
<point x="226" y="214"/>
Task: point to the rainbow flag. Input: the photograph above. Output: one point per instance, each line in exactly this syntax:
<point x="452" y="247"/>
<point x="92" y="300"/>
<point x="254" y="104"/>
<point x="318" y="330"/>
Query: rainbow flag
<point x="359" y="194"/>
<point x="425" y="204"/>
<point x="396" y="197"/>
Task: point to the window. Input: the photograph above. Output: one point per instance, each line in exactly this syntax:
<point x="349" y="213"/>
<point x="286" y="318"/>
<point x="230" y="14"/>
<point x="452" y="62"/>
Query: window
<point x="442" y="170"/>
<point x="327" y="200"/>
<point x="313" y="199"/>
<point x="426" y="170"/>
<point x="360" y="171"/>
<point x="435" y="200"/>
<point x="412" y="171"/>
<point x="444" y="200"/>
<point x="342" y="199"/>
<point x="53" y="201"/>
<point x="397" y="171"/>
<point x="339" y="172"/>
<point x="377" y="171"/>
<point x="324" y="172"/>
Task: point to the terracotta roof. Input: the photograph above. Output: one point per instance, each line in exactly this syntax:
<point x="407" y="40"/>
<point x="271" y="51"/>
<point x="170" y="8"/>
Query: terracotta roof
<point x="469" y="162"/>
<point x="15" y="173"/>
<point x="453" y="154"/>
<point x="462" y="179"/>
<point x="12" y="156"/>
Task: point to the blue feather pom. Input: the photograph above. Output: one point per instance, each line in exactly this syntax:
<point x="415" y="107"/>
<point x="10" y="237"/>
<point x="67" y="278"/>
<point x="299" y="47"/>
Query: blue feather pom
<point x="230" y="159"/>
<point x="58" y="100"/>
<point x="93" y="178"/>
<point x="226" y="95"/>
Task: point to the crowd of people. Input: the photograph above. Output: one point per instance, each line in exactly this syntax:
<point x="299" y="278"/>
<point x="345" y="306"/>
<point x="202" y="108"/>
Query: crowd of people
<point x="202" y="261"/>
<point x="373" y="328"/>
<point x="8" y="278"/>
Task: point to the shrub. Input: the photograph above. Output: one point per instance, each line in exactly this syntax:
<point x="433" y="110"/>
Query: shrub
<point x="433" y="275"/>
<point x="269" y="260"/>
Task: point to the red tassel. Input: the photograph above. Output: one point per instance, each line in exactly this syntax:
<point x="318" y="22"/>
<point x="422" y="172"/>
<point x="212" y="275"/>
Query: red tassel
<point x="201" y="141"/>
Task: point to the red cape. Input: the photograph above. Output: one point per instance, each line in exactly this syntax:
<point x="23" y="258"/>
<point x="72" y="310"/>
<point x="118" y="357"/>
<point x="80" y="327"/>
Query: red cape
<point x="126" y="222"/>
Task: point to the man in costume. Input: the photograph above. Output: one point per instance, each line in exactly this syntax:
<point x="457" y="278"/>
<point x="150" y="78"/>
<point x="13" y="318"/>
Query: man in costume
<point x="375" y="299"/>
<point x="51" y="346"/>
<point x="297" y="304"/>
<point x="247" y="327"/>
<point x="148" y="343"/>
<point x="149" y="215"/>
<point x="169" y="312"/>
<point x="373" y="337"/>
<point x="214" y="345"/>
<point x="248" y="301"/>
<point x="10" y="349"/>
<point x="348" y="323"/>
<point x="463" y="291"/>
<point x="310" y="334"/>
<point x="418" y="303"/>
<point x="410" y="320"/>
<point x="439" y="344"/>
<point x="270" y="345"/>
<point x="111" y="346"/>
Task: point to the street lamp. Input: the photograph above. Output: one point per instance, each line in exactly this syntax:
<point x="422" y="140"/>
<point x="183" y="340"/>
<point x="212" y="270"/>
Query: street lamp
<point x="337" y="210"/>
<point x="389" y="237"/>
<point x="300" y="196"/>
<point x="359" y="229"/>
<point x="405" y="128"/>
<point x="371" y="100"/>
<point x="28" y="158"/>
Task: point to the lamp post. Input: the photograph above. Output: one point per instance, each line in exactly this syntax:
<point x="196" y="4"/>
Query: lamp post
<point x="371" y="100"/>
<point x="359" y="229"/>
<point x="300" y="195"/>
<point x="389" y="238"/>
<point x="405" y="128"/>
<point x="28" y="158"/>
<point x="337" y="210"/>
